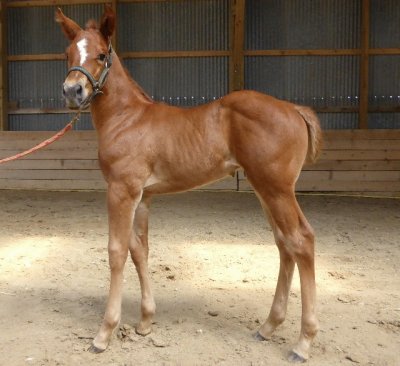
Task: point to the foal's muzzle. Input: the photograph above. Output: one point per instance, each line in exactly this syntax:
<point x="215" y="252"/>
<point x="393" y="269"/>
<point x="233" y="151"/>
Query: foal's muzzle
<point x="74" y="94"/>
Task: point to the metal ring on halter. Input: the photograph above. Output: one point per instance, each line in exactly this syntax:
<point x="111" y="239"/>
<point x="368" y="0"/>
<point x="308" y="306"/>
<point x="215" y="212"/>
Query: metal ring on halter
<point x="97" y="85"/>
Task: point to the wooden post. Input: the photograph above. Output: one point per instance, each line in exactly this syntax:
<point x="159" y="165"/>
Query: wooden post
<point x="3" y="68"/>
<point x="114" y="38"/>
<point x="236" y="64"/>
<point x="364" y="64"/>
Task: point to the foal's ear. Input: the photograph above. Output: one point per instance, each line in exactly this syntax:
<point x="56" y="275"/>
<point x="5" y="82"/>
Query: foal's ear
<point x="68" y="26"/>
<point x="107" y="23"/>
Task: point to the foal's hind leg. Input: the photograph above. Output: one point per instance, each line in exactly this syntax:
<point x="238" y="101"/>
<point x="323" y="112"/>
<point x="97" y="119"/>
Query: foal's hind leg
<point x="139" y="250"/>
<point x="295" y="239"/>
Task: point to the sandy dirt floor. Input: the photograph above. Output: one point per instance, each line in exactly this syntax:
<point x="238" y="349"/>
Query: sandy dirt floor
<point x="213" y="265"/>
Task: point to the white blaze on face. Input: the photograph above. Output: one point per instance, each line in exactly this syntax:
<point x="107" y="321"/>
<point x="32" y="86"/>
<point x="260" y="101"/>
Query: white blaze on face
<point x="82" y="50"/>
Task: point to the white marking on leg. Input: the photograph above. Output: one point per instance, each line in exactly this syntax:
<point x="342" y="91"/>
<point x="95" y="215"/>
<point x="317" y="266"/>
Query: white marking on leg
<point x="82" y="50"/>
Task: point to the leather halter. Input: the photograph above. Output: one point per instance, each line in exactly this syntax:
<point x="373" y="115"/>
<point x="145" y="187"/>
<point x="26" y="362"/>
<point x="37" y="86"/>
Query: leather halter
<point x="98" y="84"/>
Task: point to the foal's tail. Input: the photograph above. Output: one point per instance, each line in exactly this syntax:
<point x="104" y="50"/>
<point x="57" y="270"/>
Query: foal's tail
<point x="314" y="132"/>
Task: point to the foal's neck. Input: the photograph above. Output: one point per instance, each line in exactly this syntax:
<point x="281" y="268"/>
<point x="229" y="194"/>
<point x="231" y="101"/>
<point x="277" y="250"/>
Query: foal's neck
<point x="120" y="93"/>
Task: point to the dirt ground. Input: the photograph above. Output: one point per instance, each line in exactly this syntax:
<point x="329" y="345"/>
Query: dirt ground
<point x="213" y="265"/>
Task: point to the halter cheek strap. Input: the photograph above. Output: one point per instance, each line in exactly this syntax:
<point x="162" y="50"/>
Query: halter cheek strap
<point x="98" y="84"/>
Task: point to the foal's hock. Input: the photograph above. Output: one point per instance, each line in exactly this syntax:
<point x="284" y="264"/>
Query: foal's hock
<point x="148" y="148"/>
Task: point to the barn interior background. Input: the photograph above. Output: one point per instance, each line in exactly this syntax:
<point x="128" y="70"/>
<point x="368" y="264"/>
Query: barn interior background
<point x="341" y="57"/>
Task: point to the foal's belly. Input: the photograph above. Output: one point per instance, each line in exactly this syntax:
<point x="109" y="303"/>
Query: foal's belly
<point x="162" y="182"/>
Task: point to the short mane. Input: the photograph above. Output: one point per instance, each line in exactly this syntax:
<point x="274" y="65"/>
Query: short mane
<point x="91" y="24"/>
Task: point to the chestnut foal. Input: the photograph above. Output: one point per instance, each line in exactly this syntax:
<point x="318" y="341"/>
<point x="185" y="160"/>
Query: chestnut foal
<point x="148" y="148"/>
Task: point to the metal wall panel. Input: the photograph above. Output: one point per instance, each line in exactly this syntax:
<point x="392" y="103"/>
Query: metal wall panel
<point x="384" y="120"/>
<point x="384" y="80"/>
<point x="316" y="81"/>
<point x="331" y="81"/>
<point x="181" y="81"/>
<point x="33" y="30"/>
<point x="46" y="122"/>
<point x="156" y="26"/>
<point x="332" y="121"/>
<point x="174" y="26"/>
<point x="385" y="19"/>
<point x="36" y="84"/>
<point x="384" y="86"/>
<point x="302" y="24"/>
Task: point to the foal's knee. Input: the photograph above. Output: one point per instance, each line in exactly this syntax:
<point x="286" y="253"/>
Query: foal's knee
<point x="117" y="256"/>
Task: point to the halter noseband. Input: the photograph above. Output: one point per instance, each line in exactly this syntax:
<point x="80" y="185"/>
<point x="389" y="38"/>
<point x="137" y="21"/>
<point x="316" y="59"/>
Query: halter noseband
<point x="97" y="85"/>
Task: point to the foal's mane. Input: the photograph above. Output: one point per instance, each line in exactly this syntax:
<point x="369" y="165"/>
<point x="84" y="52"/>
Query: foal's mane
<point x="92" y="24"/>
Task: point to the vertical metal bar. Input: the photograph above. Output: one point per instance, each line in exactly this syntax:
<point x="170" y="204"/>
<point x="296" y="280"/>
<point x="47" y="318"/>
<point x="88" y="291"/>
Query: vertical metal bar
<point x="3" y="68"/>
<point x="364" y="64"/>
<point x="236" y="64"/>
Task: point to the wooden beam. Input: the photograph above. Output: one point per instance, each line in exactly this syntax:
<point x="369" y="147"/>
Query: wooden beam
<point x="42" y="111"/>
<point x="323" y="52"/>
<point x="364" y="64"/>
<point x="161" y="54"/>
<point x="114" y="38"/>
<point x="216" y="53"/>
<point x="39" y="57"/>
<point x="393" y="109"/>
<point x="236" y="62"/>
<point x="384" y="51"/>
<point x="300" y="52"/>
<point x="3" y="68"/>
<point x="138" y="54"/>
<point x="149" y="1"/>
<point x="28" y="4"/>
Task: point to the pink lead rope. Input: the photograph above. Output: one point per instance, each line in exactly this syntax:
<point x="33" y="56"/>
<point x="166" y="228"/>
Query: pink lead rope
<point x="44" y="143"/>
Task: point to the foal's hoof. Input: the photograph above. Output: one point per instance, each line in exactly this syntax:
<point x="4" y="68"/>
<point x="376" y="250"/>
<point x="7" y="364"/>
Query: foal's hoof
<point x="295" y="358"/>
<point x="142" y="331"/>
<point x="258" y="337"/>
<point x="94" y="349"/>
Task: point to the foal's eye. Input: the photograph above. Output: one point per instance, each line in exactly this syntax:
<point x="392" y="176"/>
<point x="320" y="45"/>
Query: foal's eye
<point x="102" y="57"/>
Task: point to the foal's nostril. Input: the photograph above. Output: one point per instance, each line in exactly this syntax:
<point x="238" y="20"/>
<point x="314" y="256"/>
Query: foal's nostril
<point x="72" y="91"/>
<point x="79" y="90"/>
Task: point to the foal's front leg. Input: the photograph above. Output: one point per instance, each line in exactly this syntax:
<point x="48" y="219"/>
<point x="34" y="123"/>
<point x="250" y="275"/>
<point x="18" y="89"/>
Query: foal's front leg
<point x="121" y="208"/>
<point x="139" y="250"/>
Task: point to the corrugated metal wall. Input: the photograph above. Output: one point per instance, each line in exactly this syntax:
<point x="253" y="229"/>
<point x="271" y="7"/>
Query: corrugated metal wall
<point x="385" y="19"/>
<point x="32" y="30"/>
<point x="384" y="71"/>
<point x="316" y="81"/>
<point x="146" y="26"/>
<point x="37" y="84"/>
<point x="174" y="26"/>
<point x="193" y="25"/>
<point x="324" y="81"/>
<point x="47" y="122"/>
<point x="302" y="24"/>
<point x="181" y="81"/>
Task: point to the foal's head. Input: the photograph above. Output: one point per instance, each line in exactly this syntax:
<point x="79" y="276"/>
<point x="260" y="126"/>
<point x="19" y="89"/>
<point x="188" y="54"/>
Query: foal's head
<point x="89" y="57"/>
